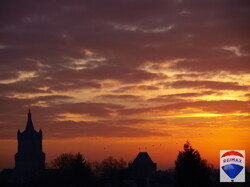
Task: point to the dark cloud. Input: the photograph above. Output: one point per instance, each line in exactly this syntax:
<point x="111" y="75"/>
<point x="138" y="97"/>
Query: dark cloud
<point x="194" y="75"/>
<point x="92" y="109"/>
<point x="20" y="87"/>
<point x="74" y="85"/>
<point x="222" y="106"/>
<point x="71" y="129"/>
<point x="51" y="97"/>
<point x="13" y="106"/>
<point x="80" y="129"/>
<point x="47" y="85"/>
<point x="121" y="97"/>
<point x="233" y="65"/>
<point x="247" y="95"/>
<point x="136" y="122"/>
<point x="216" y="85"/>
<point x="52" y="121"/>
<point x="52" y="107"/>
<point x="123" y="74"/>
<point x="139" y="87"/>
<point x="179" y="97"/>
<point x="47" y="32"/>
<point x="8" y="75"/>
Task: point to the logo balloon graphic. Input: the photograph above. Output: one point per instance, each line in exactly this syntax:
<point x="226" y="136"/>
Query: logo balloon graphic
<point x="234" y="163"/>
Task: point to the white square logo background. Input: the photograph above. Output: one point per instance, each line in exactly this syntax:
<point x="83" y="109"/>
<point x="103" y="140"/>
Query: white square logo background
<point x="224" y="177"/>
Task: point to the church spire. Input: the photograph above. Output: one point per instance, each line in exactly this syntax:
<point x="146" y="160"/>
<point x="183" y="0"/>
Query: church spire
<point x="29" y="125"/>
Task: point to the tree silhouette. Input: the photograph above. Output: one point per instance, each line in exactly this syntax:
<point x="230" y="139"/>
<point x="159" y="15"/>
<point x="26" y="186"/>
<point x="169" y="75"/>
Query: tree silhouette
<point x="68" y="161"/>
<point x="109" y="171"/>
<point x="108" y="167"/>
<point x="190" y="169"/>
<point x="111" y="166"/>
<point x="75" y="170"/>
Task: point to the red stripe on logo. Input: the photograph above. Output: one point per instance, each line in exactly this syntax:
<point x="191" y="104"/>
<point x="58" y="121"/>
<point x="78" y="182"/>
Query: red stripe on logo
<point x="232" y="153"/>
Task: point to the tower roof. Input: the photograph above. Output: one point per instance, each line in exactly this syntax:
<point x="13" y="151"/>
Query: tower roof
<point x="143" y="158"/>
<point x="29" y="125"/>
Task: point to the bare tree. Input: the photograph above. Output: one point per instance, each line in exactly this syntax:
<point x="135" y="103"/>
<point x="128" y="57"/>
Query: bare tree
<point x="69" y="161"/>
<point x="108" y="167"/>
<point x="74" y="167"/>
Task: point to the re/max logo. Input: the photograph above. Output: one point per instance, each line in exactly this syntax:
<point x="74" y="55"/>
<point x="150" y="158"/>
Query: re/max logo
<point x="232" y="160"/>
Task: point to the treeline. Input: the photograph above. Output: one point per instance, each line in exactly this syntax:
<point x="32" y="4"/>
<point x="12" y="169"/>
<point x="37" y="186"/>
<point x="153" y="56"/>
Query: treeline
<point x="76" y="171"/>
<point x="190" y="170"/>
<point x="72" y="170"/>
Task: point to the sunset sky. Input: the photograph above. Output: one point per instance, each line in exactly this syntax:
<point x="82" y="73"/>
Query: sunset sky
<point x="115" y="77"/>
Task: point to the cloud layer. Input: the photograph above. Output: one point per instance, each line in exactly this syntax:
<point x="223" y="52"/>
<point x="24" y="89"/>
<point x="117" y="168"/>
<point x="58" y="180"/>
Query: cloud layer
<point x="89" y="66"/>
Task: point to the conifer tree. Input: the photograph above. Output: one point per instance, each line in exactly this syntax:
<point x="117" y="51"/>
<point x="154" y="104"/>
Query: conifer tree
<point x="190" y="169"/>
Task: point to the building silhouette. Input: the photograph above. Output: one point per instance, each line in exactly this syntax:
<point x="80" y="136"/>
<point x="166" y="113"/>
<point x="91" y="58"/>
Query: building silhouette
<point x="143" y="169"/>
<point x="29" y="156"/>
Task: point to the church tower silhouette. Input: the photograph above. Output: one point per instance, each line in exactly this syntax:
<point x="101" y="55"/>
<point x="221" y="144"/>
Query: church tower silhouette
<point x="30" y="156"/>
